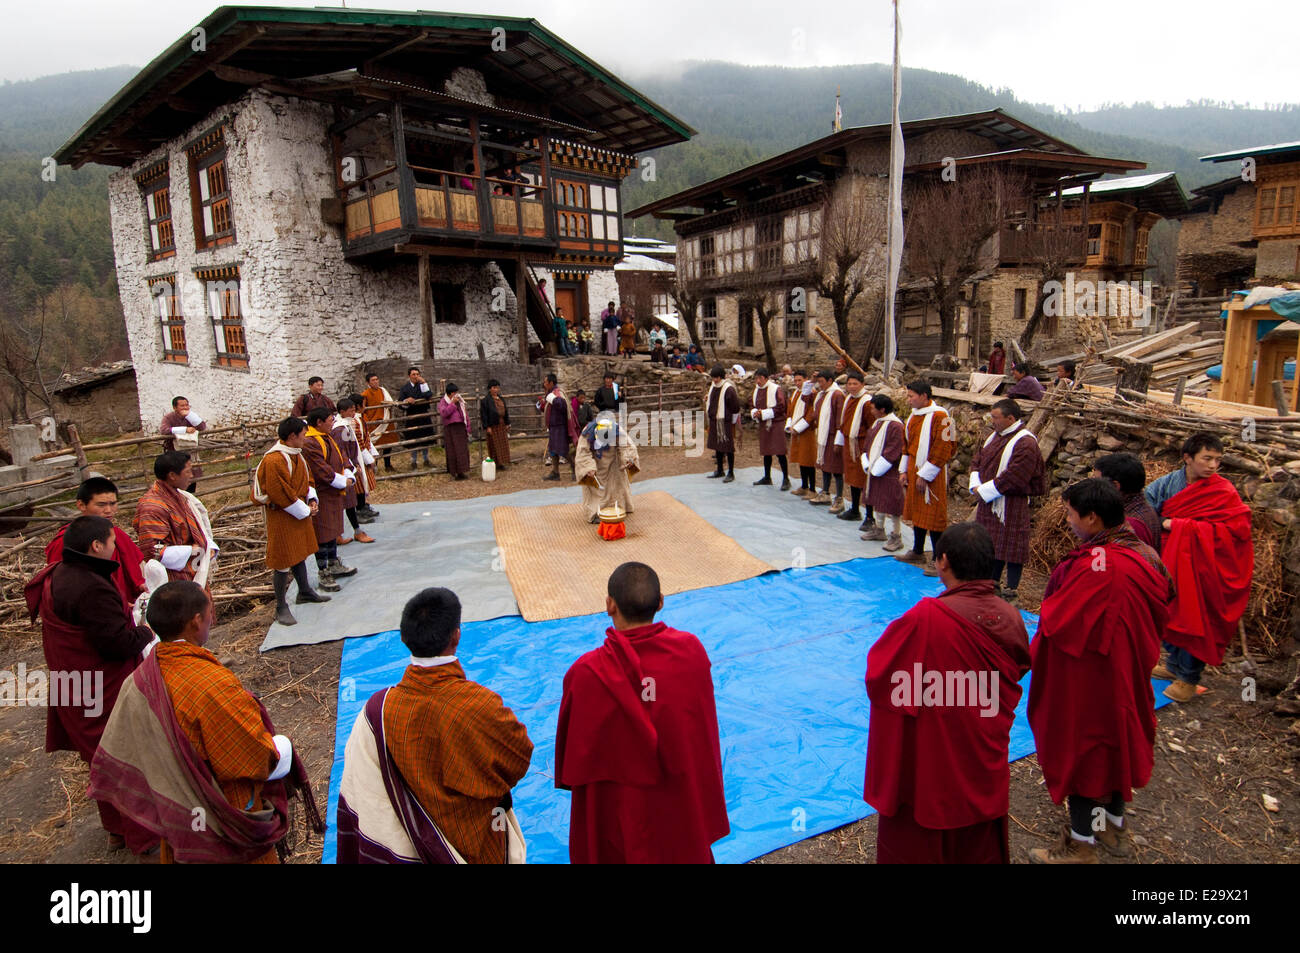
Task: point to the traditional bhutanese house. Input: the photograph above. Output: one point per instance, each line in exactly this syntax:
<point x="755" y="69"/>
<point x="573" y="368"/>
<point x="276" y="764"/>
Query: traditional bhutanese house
<point x="1216" y="243"/>
<point x="1272" y="173"/>
<point x="314" y="190"/>
<point x="101" y="401"/>
<point x="1105" y="282"/>
<point x="761" y="227"/>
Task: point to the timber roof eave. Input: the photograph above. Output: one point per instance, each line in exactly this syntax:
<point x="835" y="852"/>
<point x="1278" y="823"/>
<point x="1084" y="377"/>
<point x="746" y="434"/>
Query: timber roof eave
<point x="229" y="30"/>
<point x="989" y="122"/>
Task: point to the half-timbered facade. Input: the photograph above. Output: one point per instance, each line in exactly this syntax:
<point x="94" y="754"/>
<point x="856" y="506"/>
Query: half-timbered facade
<point x="306" y="191"/>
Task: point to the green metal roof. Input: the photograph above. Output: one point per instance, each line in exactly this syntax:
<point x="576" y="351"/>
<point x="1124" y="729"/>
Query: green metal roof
<point x="291" y="43"/>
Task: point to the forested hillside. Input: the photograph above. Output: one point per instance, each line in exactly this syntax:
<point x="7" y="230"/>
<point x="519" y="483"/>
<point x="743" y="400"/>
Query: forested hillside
<point x="59" y="307"/>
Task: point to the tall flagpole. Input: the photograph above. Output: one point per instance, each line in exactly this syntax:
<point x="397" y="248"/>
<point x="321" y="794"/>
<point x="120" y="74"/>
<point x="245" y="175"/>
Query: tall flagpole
<point x="894" y="241"/>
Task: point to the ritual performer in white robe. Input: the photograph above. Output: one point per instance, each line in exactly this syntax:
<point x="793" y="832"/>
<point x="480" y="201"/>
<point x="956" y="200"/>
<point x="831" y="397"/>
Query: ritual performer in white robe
<point x="562" y="429"/>
<point x="379" y="417"/>
<point x="722" y="414"/>
<point x="801" y="429"/>
<point x="769" y="404"/>
<point x="886" y="444"/>
<point x="346" y="437"/>
<point x="855" y="421"/>
<point x="828" y="405"/>
<point x="184" y="425"/>
<point x="606" y="458"/>
<point x="171" y="524"/>
<point x="282" y="484"/>
<point x="1005" y="473"/>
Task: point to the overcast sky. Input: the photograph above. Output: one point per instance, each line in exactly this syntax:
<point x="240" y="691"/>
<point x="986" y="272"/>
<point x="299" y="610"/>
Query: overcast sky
<point x="1049" y="51"/>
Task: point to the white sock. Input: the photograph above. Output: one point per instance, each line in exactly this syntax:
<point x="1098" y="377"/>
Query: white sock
<point x="1089" y="839"/>
<point x="1114" y="821"/>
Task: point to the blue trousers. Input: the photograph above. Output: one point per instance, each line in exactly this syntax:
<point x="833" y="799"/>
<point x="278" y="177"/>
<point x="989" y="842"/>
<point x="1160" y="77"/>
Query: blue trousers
<point x="1183" y="664"/>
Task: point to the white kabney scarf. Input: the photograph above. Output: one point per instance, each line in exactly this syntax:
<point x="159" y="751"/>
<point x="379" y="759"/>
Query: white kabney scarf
<point x="721" y="412"/>
<point x="824" y="416"/>
<point x="285" y="451"/>
<point x="877" y="448"/>
<point x="855" y="425"/>
<point x="201" y="514"/>
<point x="382" y="426"/>
<point x="769" y="392"/>
<point x="999" y="504"/>
<point x="923" y="446"/>
<point x="350" y="436"/>
<point x="796" y="413"/>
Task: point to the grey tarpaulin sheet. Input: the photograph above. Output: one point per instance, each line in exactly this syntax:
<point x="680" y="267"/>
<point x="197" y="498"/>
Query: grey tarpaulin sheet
<point x="451" y="543"/>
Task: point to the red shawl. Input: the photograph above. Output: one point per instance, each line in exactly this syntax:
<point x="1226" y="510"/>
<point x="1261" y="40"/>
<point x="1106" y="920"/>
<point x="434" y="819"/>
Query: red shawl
<point x="637" y="743"/>
<point x="1091" y="706"/>
<point x="947" y="761"/>
<point x="1210" y="555"/>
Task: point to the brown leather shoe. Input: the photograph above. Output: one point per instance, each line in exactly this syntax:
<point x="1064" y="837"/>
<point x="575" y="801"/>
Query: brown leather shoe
<point x="1162" y="673"/>
<point x="1115" y="841"/>
<point x="1181" y="691"/>
<point x="1066" y="851"/>
<point x="343" y="540"/>
<point x="364" y="537"/>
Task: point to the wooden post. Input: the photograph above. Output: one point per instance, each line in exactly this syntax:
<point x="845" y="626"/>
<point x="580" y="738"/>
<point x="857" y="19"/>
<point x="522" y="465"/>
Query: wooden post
<point x="1133" y="375"/>
<point x="1279" y="399"/>
<point x="426" y="306"/>
<point x="1178" y="391"/>
<point x="82" y="463"/>
<point x="521" y="308"/>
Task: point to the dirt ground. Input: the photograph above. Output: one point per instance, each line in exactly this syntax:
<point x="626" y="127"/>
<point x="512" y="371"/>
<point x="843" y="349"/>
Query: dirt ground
<point x="1215" y="758"/>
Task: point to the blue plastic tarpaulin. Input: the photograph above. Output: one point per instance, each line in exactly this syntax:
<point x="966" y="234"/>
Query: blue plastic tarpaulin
<point x="789" y="654"/>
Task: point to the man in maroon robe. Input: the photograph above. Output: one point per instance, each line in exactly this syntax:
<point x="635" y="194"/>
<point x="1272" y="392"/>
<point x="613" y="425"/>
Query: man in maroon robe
<point x="1127" y="474"/>
<point x="1004" y="474"/>
<point x="944" y="683"/>
<point x="828" y="408"/>
<point x="561" y="428"/>
<point x="1207" y="546"/>
<point x="769" y="414"/>
<point x="90" y="640"/>
<point x="179" y="422"/>
<point x="97" y="496"/>
<point x="885" y="445"/>
<point x="721" y="417"/>
<point x="637" y="740"/>
<point x="1091" y="706"/>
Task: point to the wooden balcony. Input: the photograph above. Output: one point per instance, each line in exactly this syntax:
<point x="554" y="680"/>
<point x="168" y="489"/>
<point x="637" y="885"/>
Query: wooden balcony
<point x="1029" y="243"/>
<point x="452" y="206"/>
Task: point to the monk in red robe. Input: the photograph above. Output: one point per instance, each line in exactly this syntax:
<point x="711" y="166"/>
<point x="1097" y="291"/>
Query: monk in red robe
<point x="1207" y="546"/>
<point x="97" y="496"/>
<point x="637" y="741"/>
<point x="1091" y="706"/>
<point x="944" y="683"/>
<point x="91" y="647"/>
<point x="1127" y="474"/>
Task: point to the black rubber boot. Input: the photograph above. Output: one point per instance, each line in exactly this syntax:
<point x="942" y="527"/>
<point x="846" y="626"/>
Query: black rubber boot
<point x="280" y="581"/>
<point x="305" y="592"/>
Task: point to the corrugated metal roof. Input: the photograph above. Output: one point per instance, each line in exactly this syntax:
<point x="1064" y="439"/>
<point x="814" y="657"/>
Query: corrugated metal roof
<point x="1253" y="151"/>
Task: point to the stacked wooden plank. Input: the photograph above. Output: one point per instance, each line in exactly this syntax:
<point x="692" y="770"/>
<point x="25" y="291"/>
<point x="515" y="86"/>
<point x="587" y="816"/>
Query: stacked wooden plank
<point x="1182" y="351"/>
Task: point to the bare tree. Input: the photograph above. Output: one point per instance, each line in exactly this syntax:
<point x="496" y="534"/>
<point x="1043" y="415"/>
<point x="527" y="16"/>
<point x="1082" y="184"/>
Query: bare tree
<point x="1054" y="247"/>
<point x="851" y="245"/>
<point x="948" y="225"/>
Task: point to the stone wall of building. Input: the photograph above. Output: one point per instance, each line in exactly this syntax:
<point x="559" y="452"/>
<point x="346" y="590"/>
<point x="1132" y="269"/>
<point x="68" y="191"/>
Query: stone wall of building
<point x="1209" y="242"/>
<point x="305" y="309"/>
<point x="106" y="410"/>
<point x="1277" y="259"/>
